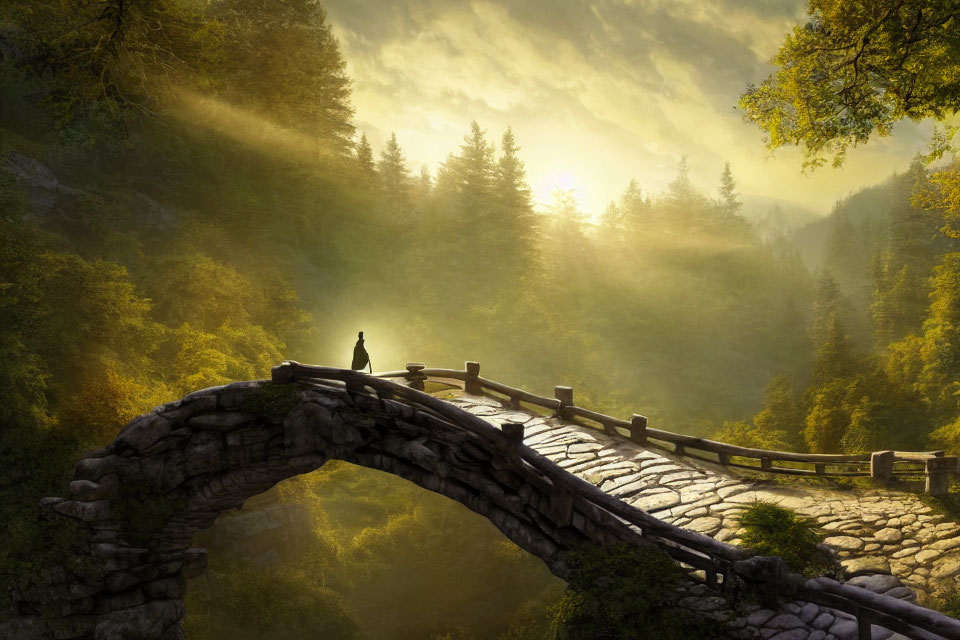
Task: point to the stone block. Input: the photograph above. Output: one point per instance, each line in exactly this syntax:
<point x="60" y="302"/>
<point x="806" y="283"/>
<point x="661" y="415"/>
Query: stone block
<point x="221" y="420"/>
<point x="142" y="432"/>
<point x="84" y="511"/>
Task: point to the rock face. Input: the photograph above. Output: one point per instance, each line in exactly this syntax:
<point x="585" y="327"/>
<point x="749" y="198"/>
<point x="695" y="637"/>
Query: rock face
<point x="193" y="459"/>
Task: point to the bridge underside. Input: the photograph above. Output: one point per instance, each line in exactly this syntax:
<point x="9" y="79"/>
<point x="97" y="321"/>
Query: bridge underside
<point x="196" y="458"/>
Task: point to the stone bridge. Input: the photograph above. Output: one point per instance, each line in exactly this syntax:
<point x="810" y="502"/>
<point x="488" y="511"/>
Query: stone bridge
<point x="545" y="482"/>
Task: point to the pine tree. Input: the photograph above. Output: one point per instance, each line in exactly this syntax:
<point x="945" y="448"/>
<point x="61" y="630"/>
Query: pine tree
<point x="940" y="378"/>
<point x="827" y="304"/>
<point x="364" y="155"/>
<point x="836" y="357"/>
<point x="633" y="205"/>
<point x="827" y="421"/>
<point x="782" y="412"/>
<point x="681" y="189"/>
<point x="394" y="177"/>
<point x="729" y="202"/>
<point x="514" y="216"/>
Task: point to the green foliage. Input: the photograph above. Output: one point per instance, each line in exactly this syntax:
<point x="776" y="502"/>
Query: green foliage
<point x="622" y="592"/>
<point x="250" y="602"/>
<point x="855" y="69"/>
<point x="406" y="563"/>
<point x="756" y="436"/>
<point x="771" y="530"/>
<point x="33" y="540"/>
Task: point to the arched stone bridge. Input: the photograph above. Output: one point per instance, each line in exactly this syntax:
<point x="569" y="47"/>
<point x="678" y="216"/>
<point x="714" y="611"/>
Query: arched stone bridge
<point x="546" y="483"/>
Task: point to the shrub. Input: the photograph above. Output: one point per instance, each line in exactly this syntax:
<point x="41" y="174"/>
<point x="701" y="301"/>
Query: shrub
<point x="626" y="593"/>
<point x="772" y="530"/>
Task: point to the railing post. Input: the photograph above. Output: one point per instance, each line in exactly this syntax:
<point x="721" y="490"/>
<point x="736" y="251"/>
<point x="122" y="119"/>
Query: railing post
<point x="820" y="468"/>
<point x="513" y="432"/>
<point x="638" y="429"/>
<point x="881" y="465"/>
<point x="472" y="383"/>
<point x="283" y="372"/>
<point x="938" y="474"/>
<point x="414" y="377"/>
<point x="723" y="458"/>
<point x="766" y="463"/>
<point x="565" y="396"/>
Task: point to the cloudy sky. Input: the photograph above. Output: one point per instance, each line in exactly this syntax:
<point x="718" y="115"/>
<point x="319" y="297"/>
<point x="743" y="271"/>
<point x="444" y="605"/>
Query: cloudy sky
<point x="597" y="91"/>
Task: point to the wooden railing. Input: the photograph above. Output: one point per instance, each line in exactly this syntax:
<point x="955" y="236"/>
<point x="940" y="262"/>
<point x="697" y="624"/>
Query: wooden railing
<point x="721" y="563"/>
<point x="933" y="467"/>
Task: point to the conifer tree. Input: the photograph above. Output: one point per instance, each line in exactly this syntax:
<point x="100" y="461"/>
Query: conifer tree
<point x="730" y="203"/>
<point x="364" y="155"/>
<point x="394" y="177"/>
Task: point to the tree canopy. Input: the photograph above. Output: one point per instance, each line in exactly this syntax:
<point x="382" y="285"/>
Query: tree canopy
<point x="856" y="68"/>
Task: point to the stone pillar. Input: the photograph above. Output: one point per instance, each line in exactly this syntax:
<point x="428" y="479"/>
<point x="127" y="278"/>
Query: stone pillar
<point x="881" y="465"/>
<point x="938" y="474"/>
<point x="414" y="377"/>
<point x="638" y="429"/>
<point x="472" y="384"/>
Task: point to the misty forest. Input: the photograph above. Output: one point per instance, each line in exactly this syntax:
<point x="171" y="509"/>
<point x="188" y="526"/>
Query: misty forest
<point x="187" y="199"/>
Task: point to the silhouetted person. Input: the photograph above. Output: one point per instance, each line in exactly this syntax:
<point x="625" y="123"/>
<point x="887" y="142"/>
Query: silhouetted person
<point x="361" y="358"/>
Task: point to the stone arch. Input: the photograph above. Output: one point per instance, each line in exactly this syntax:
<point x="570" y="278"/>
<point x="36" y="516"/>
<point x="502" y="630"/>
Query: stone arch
<point x="171" y="472"/>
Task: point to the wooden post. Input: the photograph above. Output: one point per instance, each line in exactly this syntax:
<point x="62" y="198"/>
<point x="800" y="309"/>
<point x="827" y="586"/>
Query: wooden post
<point x="283" y="372"/>
<point x="723" y="458"/>
<point x="765" y="463"/>
<point x="565" y="396"/>
<point x="414" y="377"/>
<point x="820" y="468"/>
<point x="881" y="465"/>
<point x="938" y="474"/>
<point x="638" y="429"/>
<point x="513" y="432"/>
<point x="679" y="449"/>
<point x="609" y="429"/>
<point x="472" y="384"/>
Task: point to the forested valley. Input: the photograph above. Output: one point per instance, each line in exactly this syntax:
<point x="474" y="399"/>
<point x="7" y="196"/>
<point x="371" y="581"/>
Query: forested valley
<point x="185" y="201"/>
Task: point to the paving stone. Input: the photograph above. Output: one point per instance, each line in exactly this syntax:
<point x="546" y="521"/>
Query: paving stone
<point x="656" y="502"/>
<point x="847" y="543"/>
<point x="945" y="545"/>
<point x="888" y="535"/>
<point x="945" y="568"/>
<point x="704" y="525"/>
<point x="926" y="555"/>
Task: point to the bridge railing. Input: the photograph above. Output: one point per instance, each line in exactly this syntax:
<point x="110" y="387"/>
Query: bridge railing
<point x="722" y="563"/>
<point x="935" y="468"/>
